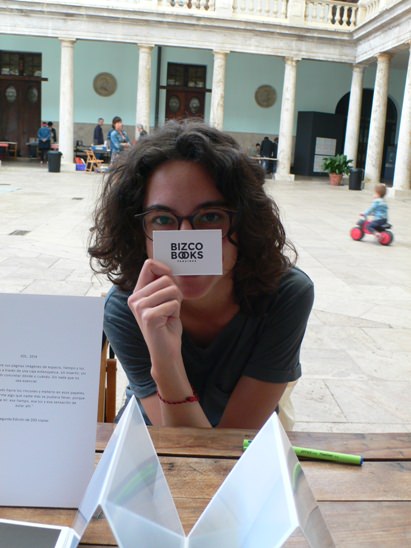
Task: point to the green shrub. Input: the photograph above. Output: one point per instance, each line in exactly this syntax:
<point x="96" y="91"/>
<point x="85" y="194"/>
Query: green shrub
<point x="337" y="164"/>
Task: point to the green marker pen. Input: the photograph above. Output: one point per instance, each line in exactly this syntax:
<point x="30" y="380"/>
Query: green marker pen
<point x="319" y="454"/>
<point x="343" y="458"/>
<point x="246" y="443"/>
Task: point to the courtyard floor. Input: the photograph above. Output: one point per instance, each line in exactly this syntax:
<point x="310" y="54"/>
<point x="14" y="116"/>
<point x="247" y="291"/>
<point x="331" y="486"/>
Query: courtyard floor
<point x="356" y="355"/>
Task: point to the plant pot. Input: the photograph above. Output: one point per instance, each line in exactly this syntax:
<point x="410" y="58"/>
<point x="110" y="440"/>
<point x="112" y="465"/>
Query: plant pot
<point x="335" y="178"/>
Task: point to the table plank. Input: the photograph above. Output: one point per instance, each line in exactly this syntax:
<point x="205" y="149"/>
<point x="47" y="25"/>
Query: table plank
<point x="366" y="500"/>
<point x="228" y="442"/>
<point x="385" y="481"/>
<point x="369" y="524"/>
<point x="353" y="524"/>
<point x="375" y="446"/>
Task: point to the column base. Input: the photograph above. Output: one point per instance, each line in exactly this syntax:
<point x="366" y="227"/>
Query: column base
<point x="284" y="177"/>
<point x="67" y="166"/>
<point x="399" y="193"/>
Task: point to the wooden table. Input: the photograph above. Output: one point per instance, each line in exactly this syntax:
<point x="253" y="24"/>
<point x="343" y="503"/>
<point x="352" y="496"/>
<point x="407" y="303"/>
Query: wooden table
<point x="364" y="506"/>
<point x="9" y="148"/>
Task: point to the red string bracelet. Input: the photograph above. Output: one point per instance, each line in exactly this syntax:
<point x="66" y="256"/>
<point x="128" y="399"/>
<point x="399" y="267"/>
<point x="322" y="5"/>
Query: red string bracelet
<point x="188" y="399"/>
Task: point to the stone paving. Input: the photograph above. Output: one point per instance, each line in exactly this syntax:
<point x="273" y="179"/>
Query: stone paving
<point x="356" y="355"/>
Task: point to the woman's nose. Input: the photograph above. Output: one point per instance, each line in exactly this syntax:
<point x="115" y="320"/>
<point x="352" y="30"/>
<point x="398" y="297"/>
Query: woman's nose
<point x="185" y="225"/>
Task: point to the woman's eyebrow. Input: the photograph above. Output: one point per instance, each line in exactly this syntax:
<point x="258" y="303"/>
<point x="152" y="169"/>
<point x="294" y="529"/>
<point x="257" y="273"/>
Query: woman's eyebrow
<point x="158" y="206"/>
<point x="213" y="203"/>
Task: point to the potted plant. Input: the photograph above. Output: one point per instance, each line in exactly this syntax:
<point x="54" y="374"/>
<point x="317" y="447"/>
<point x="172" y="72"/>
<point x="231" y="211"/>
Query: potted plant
<point x="337" y="166"/>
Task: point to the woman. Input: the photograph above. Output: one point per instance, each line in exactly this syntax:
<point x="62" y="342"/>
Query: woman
<point x="119" y="140"/>
<point x="199" y="350"/>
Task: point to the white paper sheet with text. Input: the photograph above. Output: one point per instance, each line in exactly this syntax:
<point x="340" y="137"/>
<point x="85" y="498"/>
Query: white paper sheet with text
<point x="50" y="348"/>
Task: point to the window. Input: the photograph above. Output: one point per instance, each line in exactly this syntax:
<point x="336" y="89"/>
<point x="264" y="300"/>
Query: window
<point x="186" y="76"/>
<point x="20" y="64"/>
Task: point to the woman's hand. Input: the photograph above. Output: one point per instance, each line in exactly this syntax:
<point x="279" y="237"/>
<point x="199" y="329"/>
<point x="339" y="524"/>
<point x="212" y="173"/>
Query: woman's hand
<point x="156" y="303"/>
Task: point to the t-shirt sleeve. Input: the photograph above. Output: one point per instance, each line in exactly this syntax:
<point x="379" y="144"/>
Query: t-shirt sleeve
<point x="371" y="209"/>
<point x="128" y="343"/>
<point x="276" y="357"/>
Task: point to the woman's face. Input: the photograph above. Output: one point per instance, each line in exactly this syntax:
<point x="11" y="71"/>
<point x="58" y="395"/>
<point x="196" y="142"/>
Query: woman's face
<point x="184" y="187"/>
<point x="118" y="126"/>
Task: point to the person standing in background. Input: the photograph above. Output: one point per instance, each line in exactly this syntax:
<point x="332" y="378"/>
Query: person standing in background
<point x="44" y="141"/>
<point x="140" y="131"/>
<point x="267" y="151"/>
<point x="53" y="133"/>
<point x="275" y="153"/>
<point x="98" y="135"/>
<point x="119" y="140"/>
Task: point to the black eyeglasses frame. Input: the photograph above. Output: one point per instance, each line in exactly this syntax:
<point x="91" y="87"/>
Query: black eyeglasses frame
<point x="190" y="218"/>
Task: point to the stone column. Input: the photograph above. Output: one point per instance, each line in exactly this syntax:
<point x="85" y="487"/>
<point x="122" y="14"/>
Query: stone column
<point x="217" y="96"/>
<point x="402" y="174"/>
<point x="143" y="87"/>
<point x="352" y="134"/>
<point x="375" y="147"/>
<point x="285" y="138"/>
<point x="66" y="116"/>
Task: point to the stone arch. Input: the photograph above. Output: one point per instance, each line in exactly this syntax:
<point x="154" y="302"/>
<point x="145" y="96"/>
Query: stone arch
<point x="366" y="106"/>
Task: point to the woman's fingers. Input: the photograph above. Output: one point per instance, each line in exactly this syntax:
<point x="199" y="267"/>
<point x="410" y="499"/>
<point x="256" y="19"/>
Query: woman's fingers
<point x="156" y="298"/>
<point x="139" y="301"/>
<point x="152" y="270"/>
<point x="161" y="315"/>
<point x="152" y="287"/>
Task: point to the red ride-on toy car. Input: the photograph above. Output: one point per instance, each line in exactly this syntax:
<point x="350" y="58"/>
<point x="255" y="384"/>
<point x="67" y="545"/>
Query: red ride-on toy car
<point x="383" y="234"/>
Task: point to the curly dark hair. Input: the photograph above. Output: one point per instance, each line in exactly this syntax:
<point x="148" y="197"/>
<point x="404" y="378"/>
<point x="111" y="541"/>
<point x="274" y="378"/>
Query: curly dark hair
<point x="117" y="241"/>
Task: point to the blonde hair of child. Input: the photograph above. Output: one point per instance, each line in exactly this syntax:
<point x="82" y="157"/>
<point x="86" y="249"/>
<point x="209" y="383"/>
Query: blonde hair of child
<point x="380" y="189"/>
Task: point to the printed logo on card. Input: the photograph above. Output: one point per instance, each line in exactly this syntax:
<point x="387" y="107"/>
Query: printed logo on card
<point x="186" y="251"/>
<point x="189" y="252"/>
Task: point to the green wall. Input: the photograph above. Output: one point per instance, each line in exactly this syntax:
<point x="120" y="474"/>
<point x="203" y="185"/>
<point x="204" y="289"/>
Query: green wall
<point x="320" y="85"/>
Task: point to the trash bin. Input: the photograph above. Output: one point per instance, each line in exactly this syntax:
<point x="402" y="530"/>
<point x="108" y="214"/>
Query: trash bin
<point x="54" y="161"/>
<point x="355" y="179"/>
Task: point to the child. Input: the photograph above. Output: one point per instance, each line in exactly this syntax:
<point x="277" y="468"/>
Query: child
<point x="378" y="209"/>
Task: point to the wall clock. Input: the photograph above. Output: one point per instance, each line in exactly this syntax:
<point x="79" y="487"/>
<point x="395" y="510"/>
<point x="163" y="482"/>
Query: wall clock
<point x="265" y="96"/>
<point x="104" y="84"/>
<point x="194" y="105"/>
<point x="174" y="104"/>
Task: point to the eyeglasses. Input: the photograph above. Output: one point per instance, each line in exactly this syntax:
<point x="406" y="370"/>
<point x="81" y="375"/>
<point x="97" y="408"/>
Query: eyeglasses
<point x="211" y="218"/>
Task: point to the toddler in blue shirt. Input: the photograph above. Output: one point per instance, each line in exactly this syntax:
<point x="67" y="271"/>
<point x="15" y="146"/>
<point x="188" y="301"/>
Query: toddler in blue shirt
<point x="378" y="209"/>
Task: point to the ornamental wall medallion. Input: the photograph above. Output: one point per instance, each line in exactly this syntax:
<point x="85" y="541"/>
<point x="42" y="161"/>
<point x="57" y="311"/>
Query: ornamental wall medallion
<point x="265" y="96"/>
<point x="104" y="84"/>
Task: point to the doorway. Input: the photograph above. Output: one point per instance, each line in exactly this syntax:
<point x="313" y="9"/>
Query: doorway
<point x="366" y="107"/>
<point x="185" y="91"/>
<point x="20" y="98"/>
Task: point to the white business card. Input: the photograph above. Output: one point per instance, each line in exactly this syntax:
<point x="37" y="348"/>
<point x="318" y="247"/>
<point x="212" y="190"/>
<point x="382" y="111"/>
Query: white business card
<point x="189" y="252"/>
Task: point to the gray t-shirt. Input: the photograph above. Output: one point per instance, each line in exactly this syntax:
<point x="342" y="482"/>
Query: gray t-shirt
<point x="263" y="343"/>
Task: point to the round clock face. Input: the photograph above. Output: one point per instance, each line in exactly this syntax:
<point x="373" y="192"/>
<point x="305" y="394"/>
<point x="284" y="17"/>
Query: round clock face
<point x="194" y="105"/>
<point x="105" y="84"/>
<point x="11" y="94"/>
<point x="174" y="103"/>
<point x="32" y="95"/>
<point x="265" y="96"/>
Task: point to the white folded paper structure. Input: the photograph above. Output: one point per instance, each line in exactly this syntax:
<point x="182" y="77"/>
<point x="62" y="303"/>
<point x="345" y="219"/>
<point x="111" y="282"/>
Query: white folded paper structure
<point x="263" y="500"/>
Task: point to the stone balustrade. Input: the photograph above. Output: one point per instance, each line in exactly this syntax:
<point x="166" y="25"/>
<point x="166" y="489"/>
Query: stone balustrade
<point x="194" y="5"/>
<point x="324" y="14"/>
<point x="272" y="9"/>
